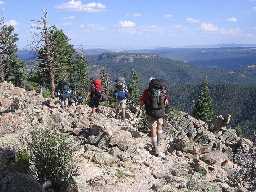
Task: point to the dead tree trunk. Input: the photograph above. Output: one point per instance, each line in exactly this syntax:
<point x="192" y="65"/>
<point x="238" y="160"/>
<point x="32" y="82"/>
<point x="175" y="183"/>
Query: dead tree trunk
<point x="48" y="54"/>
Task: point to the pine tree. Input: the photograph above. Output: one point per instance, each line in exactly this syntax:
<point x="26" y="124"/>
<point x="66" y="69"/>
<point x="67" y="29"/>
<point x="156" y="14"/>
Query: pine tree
<point x="105" y="78"/>
<point x="45" y="49"/>
<point x="79" y="76"/>
<point x="134" y="88"/>
<point x="11" y="68"/>
<point x="203" y="108"/>
<point x="17" y="73"/>
<point x="63" y="52"/>
<point x="58" y="60"/>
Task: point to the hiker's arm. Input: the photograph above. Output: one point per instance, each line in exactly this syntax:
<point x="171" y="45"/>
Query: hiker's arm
<point x="167" y="100"/>
<point x="143" y="98"/>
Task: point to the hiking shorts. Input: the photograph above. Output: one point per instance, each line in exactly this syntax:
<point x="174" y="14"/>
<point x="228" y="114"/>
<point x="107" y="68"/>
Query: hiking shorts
<point x="153" y="122"/>
<point x="95" y="102"/>
<point x="121" y="104"/>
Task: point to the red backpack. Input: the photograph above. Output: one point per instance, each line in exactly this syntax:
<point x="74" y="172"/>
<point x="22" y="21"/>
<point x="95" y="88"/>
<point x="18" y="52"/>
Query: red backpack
<point x="97" y="85"/>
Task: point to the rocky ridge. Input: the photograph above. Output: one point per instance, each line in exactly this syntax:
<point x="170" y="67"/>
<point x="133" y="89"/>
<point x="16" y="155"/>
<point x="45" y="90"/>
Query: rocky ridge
<point x="113" y="155"/>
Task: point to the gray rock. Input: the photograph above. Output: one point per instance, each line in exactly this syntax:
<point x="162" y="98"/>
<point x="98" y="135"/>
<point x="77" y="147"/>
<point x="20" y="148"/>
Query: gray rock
<point x="214" y="157"/>
<point x="104" y="159"/>
<point x="18" y="182"/>
<point x="220" y="123"/>
<point x="7" y="157"/>
<point x="229" y="137"/>
<point x="122" y="139"/>
<point x="245" y="145"/>
<point x="199" y="166"/>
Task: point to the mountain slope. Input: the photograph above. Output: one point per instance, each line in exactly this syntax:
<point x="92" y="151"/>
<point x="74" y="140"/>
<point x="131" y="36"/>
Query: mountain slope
<point x="229" y="58"/>
<point x="175" y="72"/>
<point x="114" y="155"/>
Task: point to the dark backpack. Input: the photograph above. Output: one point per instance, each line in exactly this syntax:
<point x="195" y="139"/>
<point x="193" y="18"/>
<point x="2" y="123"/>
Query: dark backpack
<point x="157" y="96"/>
<point x="64" y="90"/>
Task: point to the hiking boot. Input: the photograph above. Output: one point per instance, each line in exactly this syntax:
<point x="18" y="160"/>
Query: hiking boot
<point x="98" y="110"/>
<point x="157" y="151"/>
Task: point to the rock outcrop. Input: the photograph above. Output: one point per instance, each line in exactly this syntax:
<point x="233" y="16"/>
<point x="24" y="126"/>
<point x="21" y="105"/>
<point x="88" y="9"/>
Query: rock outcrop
<point x="113" y="155"/>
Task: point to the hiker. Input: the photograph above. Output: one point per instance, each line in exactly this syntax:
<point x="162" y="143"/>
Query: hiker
<point x="79" y="99"/>
<point x="95" y="94"/>
<point x="76" y="99"/>
<point x="64" y="92"/>
<point x="120" y="95"/>
<point x="155" y="99"/>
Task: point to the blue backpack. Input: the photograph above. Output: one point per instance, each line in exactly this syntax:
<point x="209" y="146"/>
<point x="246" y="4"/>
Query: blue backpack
<point x="121" y="95"/>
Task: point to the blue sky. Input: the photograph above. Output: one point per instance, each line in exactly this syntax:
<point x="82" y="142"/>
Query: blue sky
<point x="136" y="24"/>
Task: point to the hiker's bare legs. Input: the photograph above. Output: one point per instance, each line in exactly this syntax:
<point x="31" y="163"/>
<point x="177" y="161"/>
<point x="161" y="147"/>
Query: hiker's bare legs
<point x="159" y="130"/>
<point x="93" y="110"/>
<point x="66" y="102"/>
<point x="117" y="111"/>
<point x="123" y="113"/>
<point x="156" y="126"/>
<point x="62" y="104"/>
<point x="154" y="136"/>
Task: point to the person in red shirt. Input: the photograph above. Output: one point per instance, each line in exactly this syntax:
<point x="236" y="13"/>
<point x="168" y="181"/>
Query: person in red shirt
<point x="155" y="99"/>
<point x="95" y="94"/>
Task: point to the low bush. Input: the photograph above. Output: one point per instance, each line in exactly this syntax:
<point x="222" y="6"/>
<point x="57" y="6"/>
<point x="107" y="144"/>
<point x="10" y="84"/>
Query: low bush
<point x="51" y="156"/>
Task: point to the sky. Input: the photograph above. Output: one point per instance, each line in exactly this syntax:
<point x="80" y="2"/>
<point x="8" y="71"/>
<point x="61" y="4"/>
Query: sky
<point x="137" y="24"/>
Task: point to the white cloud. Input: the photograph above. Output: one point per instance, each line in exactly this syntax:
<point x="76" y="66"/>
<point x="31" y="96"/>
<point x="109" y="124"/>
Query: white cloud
<point x="150" y="28"/>
<point x="1" y="2"/>
<point x="192" y="20"/>
<point x="232" y="19"/>
<point x="77" y="5"/>
<point x="179" y="27"/>
<point x="209" y="27"/>
<point x="67" y="24"/>
<point x="127" y="24"/>
<point x="168" y="15"/>
<point x="137" y="14"/>
<point x="231" y="31"/>
<point x="69" y="17"/>
<point x="250" y="35"/>
<point x="12" y="22"/>
<point x="91" y="27"/>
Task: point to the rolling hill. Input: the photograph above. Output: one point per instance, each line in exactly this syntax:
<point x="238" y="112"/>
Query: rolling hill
<point x="175" y="72"/>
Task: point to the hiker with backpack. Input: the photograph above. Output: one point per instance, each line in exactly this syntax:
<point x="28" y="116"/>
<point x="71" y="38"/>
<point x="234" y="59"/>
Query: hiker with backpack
<point x="155" y="99"/>
<point x="77" y="99"/>
<point x="64" y="92"/>
<point x="120" y="95"/>
<point x="95" y="94"/>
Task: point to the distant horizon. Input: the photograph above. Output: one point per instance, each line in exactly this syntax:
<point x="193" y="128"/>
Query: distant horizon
<point x="228" y="45"/>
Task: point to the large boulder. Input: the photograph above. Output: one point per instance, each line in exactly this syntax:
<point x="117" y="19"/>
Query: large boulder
<point x="122" y="139"/>
<point x="7" y="157"/>
<point x="229" y="137"/>
<point x="214" y="157"/>
<point x="220" y="123"/>
<point x="11" y="181"/>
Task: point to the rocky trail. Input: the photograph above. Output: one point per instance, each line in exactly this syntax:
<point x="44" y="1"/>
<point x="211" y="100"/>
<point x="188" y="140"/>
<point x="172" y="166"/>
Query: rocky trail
<point x="114" y="156"/>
